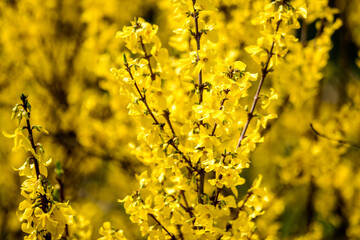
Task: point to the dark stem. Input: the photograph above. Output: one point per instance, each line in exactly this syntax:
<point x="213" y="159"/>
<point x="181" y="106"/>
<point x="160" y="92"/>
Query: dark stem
<point x="304" y="30"/>
<point x="47" y="236"/>
<point x="31" y="138"/>
<point x="167" y="118"/>
<point x="172" y="143"/>
<point x="143" y="99"/>
<point x="43" y="199"/>
<point x="147" y="57"/>
<point x="180" y="233"/>
<point x="216" y="199"/>
<point x="248" y="195"/>
<point x="191" y="168"/>
<point x="350" y="143"/>
<point x="252" y="233"/>
<point x="264" y="73"/>
<point x="201" y="185"/>
<point x="197" y="37"/>
<point x="157" y="221"/>
<point x="188" y="208"/>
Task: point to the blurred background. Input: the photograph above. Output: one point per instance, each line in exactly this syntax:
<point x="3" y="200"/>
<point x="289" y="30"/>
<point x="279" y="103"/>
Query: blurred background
<point x="59" y="52"/>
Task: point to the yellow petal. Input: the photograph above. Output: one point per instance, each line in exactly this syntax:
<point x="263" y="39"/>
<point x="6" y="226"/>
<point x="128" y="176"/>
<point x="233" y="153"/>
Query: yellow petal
<point x="8" y="135"/>
<point x="253" y="49"/>
<point x="239" y="65"/>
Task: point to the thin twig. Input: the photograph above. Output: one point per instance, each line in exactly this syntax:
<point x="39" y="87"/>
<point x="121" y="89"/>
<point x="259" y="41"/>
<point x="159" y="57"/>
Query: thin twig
<point x="304" y="30"/>
<point x="197" y="37"/>
<point x="143" y="99"/>
<point x="346" y="142"/>
<point x="264" y="73"/>
<point x="186" y="207"/>
<point x="147" y="57"/>
<point x="216" y="199"/>
<point x="167" y="118"/>
<point x="172" y="141"/>
<point x="43" y="199"/>
<point x="31" y="138"/>
<point x="201" y="185"/>
<point x="157" y="221"/>
<point x="248" y="195"/>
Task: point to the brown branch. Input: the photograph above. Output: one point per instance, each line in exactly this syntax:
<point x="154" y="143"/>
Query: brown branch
<point x="167" y="118"/>
<point x="346" y="142"/>
<point x="197" y="37"/>
<point x="143" y="99"/>
<point x="248" y="195"/>
<point x="216" y="199"/>
<point x="201" y="185"/>
<point x="304" y="30"/>
<point x="157" y="221"/>
<point x="186" y="207"/>
<point x="43" y="199"/>
<point x="264" y="73"/>
<point x="30" y="132"/>
<point x="147" y="57"/>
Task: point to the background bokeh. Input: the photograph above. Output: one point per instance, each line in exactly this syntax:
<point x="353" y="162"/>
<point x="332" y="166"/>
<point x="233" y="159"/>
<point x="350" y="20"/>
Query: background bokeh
<point x="59" y="52"/>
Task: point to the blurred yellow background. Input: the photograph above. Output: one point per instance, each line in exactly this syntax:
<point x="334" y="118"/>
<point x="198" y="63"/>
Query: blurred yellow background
<point x="59" y="52"/>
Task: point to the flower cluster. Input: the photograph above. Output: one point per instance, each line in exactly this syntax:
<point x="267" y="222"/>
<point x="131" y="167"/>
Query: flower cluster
<point x="44" y="213"/>
<point x="231" y="76"/>
<point x="190" y="111"/>
<point x="278" y="20"/>
<point x="110" y="233"/>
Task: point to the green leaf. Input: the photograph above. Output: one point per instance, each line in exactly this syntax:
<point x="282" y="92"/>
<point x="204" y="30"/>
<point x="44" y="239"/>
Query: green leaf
<point x="58" y="169"/>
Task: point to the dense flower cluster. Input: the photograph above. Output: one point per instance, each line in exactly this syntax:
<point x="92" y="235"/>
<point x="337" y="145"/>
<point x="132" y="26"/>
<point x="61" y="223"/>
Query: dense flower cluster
<point x="246" y="119"/>
<point x="190" y="111"/>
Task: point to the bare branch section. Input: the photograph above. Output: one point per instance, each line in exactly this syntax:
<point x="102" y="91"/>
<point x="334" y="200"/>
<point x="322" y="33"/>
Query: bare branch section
<point x="197" y="37"/>
<point x="147" y="57"/>
<point x="167" y="231"/>
<point x="350" y="143"/>
<point x="264" y="73"/>
<point x="26" y="105"/>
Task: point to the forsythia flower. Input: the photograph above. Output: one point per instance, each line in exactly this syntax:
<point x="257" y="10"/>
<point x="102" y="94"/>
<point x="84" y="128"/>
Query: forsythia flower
<point x="189" y="137"/>
<point x="110" y="233"/>
<point x="43" y="217"/>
